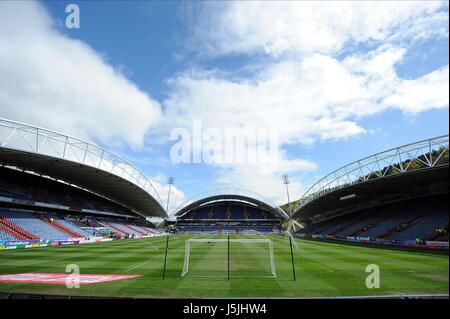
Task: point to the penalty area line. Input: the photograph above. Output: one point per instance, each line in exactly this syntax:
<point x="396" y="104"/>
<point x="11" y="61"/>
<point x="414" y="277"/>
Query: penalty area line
<point x="136" y="266"/>
<point x="318" y="264"/>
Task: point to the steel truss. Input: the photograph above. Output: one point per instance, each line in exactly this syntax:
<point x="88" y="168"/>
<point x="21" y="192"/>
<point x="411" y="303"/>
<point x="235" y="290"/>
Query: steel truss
<point x="422" y="155"/>
<point x="32" y="139"/>
<point x="226" y="190"/>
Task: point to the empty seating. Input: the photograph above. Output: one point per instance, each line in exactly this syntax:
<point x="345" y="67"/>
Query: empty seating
<point x="219" y="229"/>
<point x="27" y="187"/>
<point x="254" y="213"/>
<point x="53" y="227"/>
<point x="71" y="226"/>
<point x="6" y="234"/>
<point x="33" y="224"/>
<point x="237" y="212"/>
<point x="123" y="227"/>
<point x="387" y="224"/>
<point x="220" y="212"/>
<point x="424" y="228"/>
<point x="417" y="218"/>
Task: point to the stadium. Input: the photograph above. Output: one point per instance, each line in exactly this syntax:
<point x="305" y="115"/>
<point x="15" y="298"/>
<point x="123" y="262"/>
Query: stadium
<point x="67" y="204"/>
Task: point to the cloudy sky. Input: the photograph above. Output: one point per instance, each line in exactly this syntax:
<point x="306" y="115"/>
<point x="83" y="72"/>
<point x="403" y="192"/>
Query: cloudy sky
<point x="334" y="81"/>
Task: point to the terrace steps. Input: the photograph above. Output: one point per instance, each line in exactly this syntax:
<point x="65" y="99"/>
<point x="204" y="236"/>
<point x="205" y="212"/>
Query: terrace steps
<point x="11" y="232"/>
<point x="408" y="224"/>
<point x="59" y="227"/>
<point x="357" y="220"/>
<point x="15" y="230"/>
<point x="382" y="219"/>
<point x="134" y="229"/>
<point x="117" y="229"/>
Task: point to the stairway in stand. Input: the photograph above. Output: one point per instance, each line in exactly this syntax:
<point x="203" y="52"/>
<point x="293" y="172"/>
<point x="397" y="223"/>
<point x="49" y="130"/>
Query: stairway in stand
<point x="117" y="229"/>
<point x="408" y="224"/>
<point x="61" y="228"/>
<point x="135" y="230"/>
<point x="370" y="226"/>
<point x="356" y="220"/>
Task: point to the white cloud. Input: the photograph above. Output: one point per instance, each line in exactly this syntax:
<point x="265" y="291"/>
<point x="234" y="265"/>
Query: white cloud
<point x="318" y="97"/>
<point x="267" y="180"/>
<point x="418" y="95"/>
<point x="286" y="97"/>
<point x="384" y="86"/>
<point x="268" y="185"/>
<point x="312" y="27"/>
<point x="312" y="95"/>
<point x="177" y="197"/>
<point x="304" y="91"/>
<point x="56" y="82"/>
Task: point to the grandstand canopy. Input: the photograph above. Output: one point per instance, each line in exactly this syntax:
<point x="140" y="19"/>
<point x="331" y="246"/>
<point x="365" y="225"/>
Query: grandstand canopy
<point x="411" y="170"/>
<point x="229" y="195"/>
<point x="79" y="163"/>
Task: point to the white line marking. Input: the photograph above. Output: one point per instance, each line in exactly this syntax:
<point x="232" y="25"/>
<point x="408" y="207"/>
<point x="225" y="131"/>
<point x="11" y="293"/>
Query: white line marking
<point x="137" y="266"/>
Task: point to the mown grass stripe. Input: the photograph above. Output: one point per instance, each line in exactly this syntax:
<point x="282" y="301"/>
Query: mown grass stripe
<point x="403" y="272"/>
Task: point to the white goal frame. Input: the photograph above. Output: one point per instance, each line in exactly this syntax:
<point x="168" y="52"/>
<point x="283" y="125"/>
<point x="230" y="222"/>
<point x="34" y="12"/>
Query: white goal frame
<point x="249" y="241"/>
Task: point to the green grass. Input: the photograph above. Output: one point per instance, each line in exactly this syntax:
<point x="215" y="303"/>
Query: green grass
<point x="323" y="269"/>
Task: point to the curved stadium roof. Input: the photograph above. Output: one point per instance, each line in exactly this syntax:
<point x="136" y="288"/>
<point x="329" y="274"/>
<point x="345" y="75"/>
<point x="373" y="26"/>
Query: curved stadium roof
<point x="406" y="167"/>
<point x="79" y="163"/>
<point x="229" y="194"/>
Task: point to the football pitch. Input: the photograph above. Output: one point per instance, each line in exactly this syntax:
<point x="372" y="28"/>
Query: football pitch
<point x="241" y="269"/>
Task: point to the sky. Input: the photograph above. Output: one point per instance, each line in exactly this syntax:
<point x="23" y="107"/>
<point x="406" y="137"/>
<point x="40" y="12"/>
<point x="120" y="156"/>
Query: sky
<point x="313" y="85"/>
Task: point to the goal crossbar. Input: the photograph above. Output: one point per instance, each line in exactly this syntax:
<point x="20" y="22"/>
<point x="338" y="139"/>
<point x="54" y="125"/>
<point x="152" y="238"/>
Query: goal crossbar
<point x="215" y="240"/>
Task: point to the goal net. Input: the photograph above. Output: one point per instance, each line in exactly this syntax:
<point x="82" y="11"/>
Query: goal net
<point x="229" y="258"/>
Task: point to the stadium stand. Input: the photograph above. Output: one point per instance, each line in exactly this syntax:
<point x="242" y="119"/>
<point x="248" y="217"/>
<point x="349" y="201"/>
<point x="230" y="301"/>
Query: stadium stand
<point x="36" y="227"/>
<point x="59" y="188"/>
<point x="8" y="235"/>
<point x="395" y="196"/>
<point x="24" y="225"/>
<point x="67" y="226"/>
<point x="406" y="220"/>
<point x="229" y="213"/>
<point x="22" y="186"/>
<point x="37" y="208"/>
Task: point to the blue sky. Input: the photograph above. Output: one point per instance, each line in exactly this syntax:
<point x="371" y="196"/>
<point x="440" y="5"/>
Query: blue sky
<point x="337" y="81"/>
<point x="139" y="37"/>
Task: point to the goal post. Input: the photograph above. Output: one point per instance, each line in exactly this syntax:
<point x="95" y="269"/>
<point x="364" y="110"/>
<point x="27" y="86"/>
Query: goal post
<point x="233" y="257"/>
<point x="186" y="257"/>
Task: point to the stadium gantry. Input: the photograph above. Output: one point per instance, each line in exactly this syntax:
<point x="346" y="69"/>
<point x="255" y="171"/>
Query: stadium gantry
<point x="78" y="163"/>
<point x="420" y="167"/>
